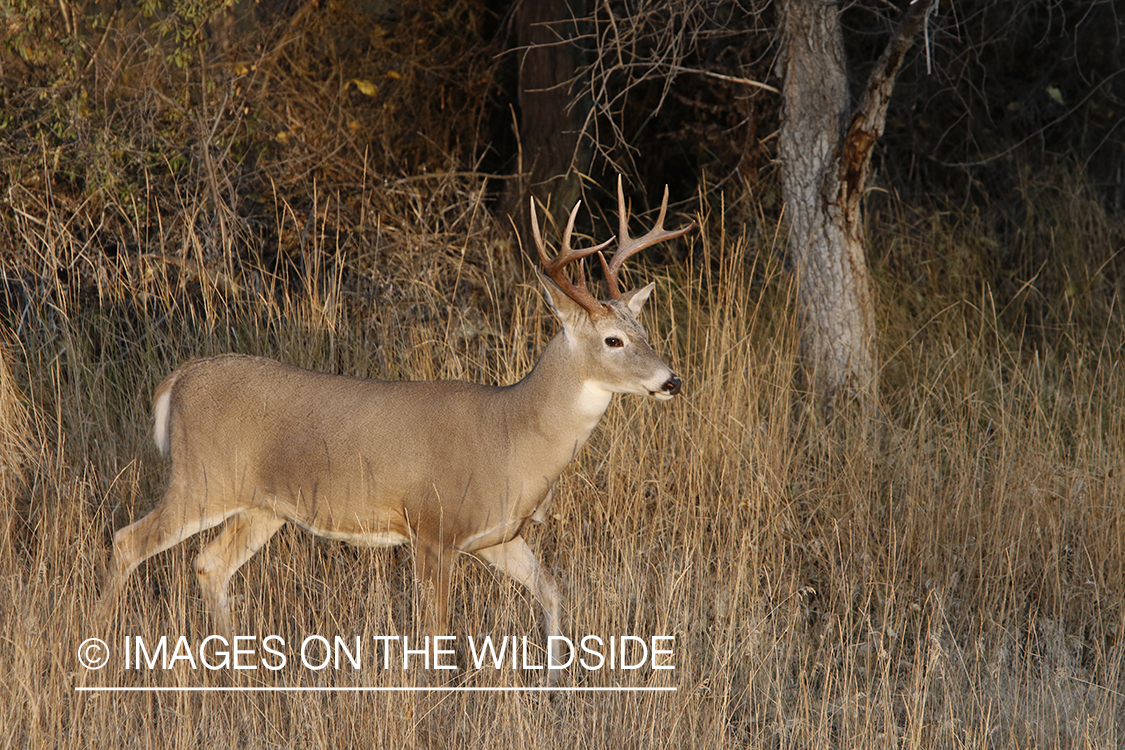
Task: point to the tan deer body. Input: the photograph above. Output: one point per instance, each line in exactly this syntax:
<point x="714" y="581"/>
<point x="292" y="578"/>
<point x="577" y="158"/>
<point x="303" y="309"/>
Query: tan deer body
<point x="447" y="466"/>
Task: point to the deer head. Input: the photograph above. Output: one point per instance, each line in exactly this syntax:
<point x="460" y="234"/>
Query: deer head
<point x="609" y="332"/>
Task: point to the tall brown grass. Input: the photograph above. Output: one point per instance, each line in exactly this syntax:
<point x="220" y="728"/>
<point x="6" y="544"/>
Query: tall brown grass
<point x="959" y="584"/>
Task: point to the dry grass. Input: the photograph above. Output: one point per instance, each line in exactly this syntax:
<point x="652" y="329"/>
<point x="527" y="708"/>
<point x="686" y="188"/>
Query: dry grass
<point x="960" y="585"/>
<point x="957" y="585"/>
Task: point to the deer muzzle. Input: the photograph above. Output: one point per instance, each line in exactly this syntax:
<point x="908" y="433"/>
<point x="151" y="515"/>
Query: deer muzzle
<point x="671" y="386"/>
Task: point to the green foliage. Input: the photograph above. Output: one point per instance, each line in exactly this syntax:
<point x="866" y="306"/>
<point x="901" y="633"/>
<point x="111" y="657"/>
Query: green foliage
<point x="49" y="43"/>
<point x="183" y="26"/>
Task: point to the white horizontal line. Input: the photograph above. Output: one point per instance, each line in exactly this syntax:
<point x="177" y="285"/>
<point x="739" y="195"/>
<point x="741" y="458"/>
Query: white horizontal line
<point x="360" y="689"/>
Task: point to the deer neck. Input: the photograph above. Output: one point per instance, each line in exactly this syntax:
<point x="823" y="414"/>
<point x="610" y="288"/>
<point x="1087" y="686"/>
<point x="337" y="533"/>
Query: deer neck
<point x="557" y="402"/>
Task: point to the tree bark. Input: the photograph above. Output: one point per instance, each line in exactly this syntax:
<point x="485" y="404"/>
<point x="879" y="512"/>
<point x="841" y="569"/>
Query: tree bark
<point x="825" y="162"/>
<point x="552" y="154"/>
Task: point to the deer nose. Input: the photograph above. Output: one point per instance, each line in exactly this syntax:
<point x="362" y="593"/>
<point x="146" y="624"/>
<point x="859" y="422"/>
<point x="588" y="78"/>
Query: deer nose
<point x="671" y="386"/>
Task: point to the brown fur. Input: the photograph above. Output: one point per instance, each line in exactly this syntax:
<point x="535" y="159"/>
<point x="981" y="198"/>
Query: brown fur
<point x="448" y="466"/>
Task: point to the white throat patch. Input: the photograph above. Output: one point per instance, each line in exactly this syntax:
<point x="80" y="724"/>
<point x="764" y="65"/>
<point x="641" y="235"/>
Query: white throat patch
<point x="593" y="400"/>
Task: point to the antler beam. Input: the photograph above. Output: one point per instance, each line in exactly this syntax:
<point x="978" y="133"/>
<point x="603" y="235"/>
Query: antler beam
<point x="628" y="246"/>
<point x="555" y="269"/>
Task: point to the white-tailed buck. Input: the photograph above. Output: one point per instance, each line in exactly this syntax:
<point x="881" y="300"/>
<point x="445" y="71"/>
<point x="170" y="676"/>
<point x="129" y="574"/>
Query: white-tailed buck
<point x="450" y="467"/>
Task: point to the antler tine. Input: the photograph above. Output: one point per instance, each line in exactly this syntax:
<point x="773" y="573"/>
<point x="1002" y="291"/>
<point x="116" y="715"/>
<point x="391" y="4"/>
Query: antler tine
<point x="628" y="246"/>
<point x="554" y="269"/>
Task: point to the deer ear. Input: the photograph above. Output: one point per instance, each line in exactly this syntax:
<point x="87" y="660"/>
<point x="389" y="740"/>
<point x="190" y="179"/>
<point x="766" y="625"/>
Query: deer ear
<point x="566" y="310"/>
<point x="635" y="300"/>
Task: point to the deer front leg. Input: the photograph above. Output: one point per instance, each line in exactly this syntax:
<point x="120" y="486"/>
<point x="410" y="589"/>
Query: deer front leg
<point x="433" y="564"/>
<point x="517" y="560"/>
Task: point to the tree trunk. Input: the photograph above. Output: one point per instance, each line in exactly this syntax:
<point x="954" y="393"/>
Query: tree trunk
<point x="552" y="155"/>
<point x="825" y="160"/>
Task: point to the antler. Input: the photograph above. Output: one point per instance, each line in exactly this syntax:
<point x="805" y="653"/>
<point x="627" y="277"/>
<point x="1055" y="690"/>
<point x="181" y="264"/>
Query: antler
<point x="579" y="292"/>
<point x="628" y="246"/>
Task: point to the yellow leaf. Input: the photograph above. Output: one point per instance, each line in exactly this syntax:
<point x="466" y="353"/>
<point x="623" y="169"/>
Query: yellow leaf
<point x="366" y="87"/>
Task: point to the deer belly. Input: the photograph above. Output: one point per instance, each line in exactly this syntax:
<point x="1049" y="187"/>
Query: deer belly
<point x="358" y="537"/>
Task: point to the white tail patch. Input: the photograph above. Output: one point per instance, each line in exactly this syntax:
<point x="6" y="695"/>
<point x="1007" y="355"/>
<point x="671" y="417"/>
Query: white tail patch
<point x="160" y="411"/>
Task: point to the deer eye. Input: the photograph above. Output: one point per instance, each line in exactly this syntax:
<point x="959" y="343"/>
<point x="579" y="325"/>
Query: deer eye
<point x="613" y="341"/>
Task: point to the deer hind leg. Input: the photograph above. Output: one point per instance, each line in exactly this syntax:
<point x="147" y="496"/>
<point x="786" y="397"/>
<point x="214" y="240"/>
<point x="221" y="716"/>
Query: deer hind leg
<point x="245" y="533"/>
<point x="166" y="526"/>
<point x="517" y="560"/>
